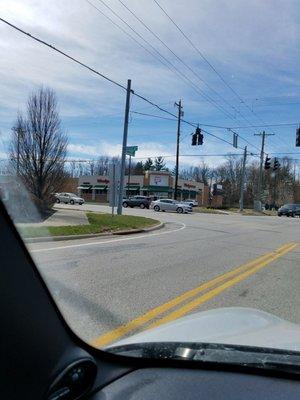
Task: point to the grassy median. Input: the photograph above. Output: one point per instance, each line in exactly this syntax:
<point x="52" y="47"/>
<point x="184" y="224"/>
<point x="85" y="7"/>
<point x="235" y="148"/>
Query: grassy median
<point x="250" y="211"/>
<point x="98" y="223"/>
<point x="205" y="210"/>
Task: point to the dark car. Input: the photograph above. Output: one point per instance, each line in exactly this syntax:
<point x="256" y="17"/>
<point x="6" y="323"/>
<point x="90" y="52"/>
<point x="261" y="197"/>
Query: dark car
<point x="137" y="201"/>
<point x="290" y="210"/>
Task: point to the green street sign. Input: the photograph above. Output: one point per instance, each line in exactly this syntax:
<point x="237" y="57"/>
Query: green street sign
<point x="130" y="150"/>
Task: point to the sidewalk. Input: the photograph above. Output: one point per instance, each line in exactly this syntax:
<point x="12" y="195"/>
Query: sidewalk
<point x="62" y="217"/>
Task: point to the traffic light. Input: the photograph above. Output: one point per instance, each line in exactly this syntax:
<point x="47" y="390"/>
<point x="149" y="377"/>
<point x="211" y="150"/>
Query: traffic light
<point x="194" y="140"/>
<point x="197" y="138"/>
<point x="200" y="137"/>
<point x="276" y="164"/>
<point x="268" y="162"/>
<point x="298" y="137"/>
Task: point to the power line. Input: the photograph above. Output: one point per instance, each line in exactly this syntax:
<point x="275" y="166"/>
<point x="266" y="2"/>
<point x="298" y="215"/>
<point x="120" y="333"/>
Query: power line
<point x="267" y="125"/>
<point x="63" y="53"/>
<point x="153" y="116"/>
<point x="132" y="37"/>
<point x="106" y="78"/>
<point x="208" y="62"/>
<point x="179" y="58"/>
<point x="178" y="72"/>
<point x="203" y="57"/>
<point x="228" y="127"/>
<point x="173" y="119"/>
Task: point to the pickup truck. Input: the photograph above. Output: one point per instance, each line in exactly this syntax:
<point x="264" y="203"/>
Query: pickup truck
<point x="137" y="201"/>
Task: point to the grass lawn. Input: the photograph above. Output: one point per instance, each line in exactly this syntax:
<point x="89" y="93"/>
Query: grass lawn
<point x="250" y="211"/>
<point x="98" y="223"/>
<point x="207" y="210"/>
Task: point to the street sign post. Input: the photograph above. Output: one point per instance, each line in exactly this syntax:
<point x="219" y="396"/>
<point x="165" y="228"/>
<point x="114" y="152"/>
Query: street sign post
<point x="114" y="171"/>
<point x="130" y="151"/>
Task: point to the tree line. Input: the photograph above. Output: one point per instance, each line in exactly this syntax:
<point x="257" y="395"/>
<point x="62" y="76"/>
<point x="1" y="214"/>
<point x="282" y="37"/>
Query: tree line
<point x="278" y="186"/>
<point x="101" y="166"/>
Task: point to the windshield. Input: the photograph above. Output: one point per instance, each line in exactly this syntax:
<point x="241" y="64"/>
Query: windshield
<point x="147" y="152"/>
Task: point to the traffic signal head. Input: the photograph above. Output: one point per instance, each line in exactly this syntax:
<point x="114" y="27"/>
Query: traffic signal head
<point x="200" y="139"/>
<point x="276" y="164"/>
<point x="194" y="139"/>
<point x="298" y="137"/>
<point x="268" y="163"/>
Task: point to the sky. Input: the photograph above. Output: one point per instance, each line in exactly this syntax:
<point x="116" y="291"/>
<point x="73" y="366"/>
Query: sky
<point x="251" y="76"/>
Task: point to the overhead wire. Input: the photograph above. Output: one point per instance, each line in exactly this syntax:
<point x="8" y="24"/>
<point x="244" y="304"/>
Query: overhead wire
<point x="215" y="126"/>
<point x="180" y="59"/>
<point x="207" y="61"/>
<point x="63" y="53"/>
<point x="203" y="56"/>
<point x="170" y="65"/>
<point x="105" y="77"/>
<point x="75" y="60"/>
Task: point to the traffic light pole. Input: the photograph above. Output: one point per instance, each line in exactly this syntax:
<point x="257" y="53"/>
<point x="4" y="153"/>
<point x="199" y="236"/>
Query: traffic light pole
<point x="260" y="178"/>
<point x="123" y="159"/>
<point x="243" y="180"/>
<point x="177" y="148"/>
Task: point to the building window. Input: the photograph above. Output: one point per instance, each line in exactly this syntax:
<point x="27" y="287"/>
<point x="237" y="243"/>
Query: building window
<point x="100" y="191"/>
<point x="86" y="191"/>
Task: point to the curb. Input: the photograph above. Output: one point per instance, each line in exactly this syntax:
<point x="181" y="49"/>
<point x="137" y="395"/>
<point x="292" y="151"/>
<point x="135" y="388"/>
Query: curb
<point x="92" y="235"/>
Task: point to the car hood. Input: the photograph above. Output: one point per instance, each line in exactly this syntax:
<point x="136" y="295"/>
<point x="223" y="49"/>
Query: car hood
<point x="234" y="325"/>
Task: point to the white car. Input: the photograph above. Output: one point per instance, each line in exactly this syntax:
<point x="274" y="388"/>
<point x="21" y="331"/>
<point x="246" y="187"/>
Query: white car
<point x="171" y="205"/>
<point x="68" y="198"/>
<point x="193" y="203"/>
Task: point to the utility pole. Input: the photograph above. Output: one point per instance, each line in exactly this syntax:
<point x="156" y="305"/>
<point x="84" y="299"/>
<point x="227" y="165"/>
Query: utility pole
<point x="18" y="154"/>
<point x="180" y="114"/>
<point x="243" y="180"/>
<point x="123" y="159"/>
<point x="260" y="178"/>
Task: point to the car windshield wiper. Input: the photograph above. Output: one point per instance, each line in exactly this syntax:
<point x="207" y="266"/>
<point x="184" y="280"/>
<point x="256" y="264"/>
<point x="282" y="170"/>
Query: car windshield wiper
<point x="248" y="356"/>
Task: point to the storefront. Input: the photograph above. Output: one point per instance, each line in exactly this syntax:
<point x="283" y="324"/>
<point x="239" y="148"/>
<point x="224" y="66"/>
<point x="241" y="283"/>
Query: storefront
<point x="96" y="188"/>
<point x="155" y="184"/>
<point x="190" y="190"/>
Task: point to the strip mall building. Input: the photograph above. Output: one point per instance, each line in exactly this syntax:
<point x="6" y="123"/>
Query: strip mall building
<point x="152" y="183"/>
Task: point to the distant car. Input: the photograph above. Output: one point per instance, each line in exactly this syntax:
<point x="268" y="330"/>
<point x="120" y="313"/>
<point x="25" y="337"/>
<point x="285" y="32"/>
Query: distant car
<point x="68" y="198"/>
<point x="290" y="210"/>
<point x="171" y="205"/>
<point x="193" y="203"/>
<point x="137" y="201"/>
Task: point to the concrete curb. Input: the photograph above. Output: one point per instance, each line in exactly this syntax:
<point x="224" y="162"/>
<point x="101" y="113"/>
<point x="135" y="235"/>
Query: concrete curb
<point x="92" y="235"/>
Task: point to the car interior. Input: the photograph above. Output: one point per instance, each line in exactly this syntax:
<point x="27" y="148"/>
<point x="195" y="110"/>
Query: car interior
<point x="41" y="358"/>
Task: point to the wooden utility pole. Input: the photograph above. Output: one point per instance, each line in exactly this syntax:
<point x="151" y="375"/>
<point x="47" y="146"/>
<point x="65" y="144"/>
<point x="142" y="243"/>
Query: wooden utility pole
<point x="123" y="159"/>
<point x="180" y="114"/>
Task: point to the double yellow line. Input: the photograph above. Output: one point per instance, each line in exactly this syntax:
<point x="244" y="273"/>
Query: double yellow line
<point x="163" y="313"/>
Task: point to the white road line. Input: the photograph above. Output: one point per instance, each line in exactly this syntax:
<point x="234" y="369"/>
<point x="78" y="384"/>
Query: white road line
<point x="109" y="241"/>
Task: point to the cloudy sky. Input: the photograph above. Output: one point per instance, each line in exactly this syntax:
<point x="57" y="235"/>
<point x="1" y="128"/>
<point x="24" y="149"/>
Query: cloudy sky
<point x="253" y="45"/>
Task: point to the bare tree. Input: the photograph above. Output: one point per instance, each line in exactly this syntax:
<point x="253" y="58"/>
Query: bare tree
<point x="38" y="148"/>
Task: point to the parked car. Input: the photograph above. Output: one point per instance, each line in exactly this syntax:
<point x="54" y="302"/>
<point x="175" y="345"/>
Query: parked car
<point x="171" y="205"/>
<point x="290" y="210"/>
<point x="137" y="201"/>
<point x="193" y="203"/>
<point x="68" y="198"/>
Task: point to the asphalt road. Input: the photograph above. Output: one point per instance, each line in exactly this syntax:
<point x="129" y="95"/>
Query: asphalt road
<point x="108" y="288"/>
